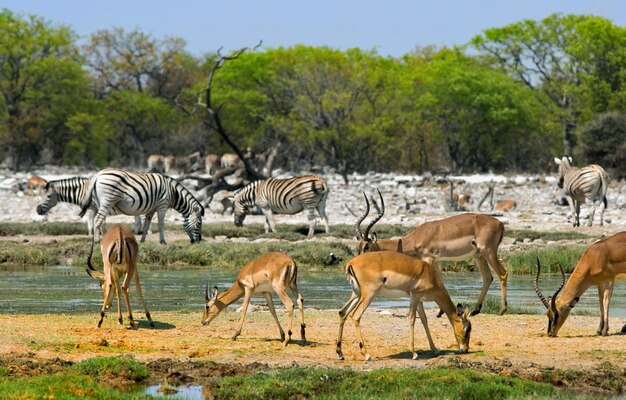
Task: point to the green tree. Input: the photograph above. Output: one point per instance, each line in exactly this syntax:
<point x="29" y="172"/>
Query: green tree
<point x="41" y="84"/>
<point x="603" y="141"/>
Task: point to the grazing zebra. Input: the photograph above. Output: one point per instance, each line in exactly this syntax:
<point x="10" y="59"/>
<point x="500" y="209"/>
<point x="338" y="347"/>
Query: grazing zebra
<point x="589" y="183"/>
<point x="73" y="190"/>
<point x="283" y="196"/>
<point x="134" y="193"/>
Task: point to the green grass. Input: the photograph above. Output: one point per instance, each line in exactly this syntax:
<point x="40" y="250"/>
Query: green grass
<point x="525" y="262"/>
<point x="60" y="386"/>
<point x="113" y="367"/>
<point x="384" y="384"/>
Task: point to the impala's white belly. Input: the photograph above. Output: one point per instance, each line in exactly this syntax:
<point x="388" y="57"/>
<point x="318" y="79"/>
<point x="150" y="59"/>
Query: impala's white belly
<point x="263" y="288"/>
<point x="392" y="293"/>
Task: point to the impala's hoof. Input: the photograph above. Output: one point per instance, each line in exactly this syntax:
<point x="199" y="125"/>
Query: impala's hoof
<point x="415" y="356"/>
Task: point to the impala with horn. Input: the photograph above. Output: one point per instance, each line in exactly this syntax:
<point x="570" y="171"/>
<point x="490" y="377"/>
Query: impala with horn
<point x="394" y="274"/>
<point x="273" y="271"/>
<point x="119" y="254"/>
<point x="453" y="239"/>
<point x="598" y="266"/>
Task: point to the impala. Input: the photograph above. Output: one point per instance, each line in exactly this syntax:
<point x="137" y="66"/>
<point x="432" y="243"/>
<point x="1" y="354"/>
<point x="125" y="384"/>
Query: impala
<point x="119" y="254"/>
<point x="35" y="182"/>
<point x="394" y="274"/>
<point x="453" y="239"/>
<point x="598" y="266"/>
<point x="273" y="271"/>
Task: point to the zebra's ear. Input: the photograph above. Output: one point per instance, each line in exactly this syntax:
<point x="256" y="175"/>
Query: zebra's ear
<point x="557" y="161"/>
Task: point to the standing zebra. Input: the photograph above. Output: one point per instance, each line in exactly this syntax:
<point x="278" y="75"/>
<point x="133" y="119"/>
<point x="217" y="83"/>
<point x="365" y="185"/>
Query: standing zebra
<point x="589" y="183"/>
<point x="283" y="196"/>
<point x="134" y="193"/>
<point x="73" y="190"/>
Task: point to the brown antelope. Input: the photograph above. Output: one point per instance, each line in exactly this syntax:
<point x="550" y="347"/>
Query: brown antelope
<point x="119" y="254"/>
<point x="598" y="266"/>
<point x="156" y="163"/>
<point x="274" y="271"/>
<point x="212" y="163"/>
<point x="394" y="274"/>
<point x="453" y="239"/>
<point x="506" y="205"/>
<point x="35" y="182"/>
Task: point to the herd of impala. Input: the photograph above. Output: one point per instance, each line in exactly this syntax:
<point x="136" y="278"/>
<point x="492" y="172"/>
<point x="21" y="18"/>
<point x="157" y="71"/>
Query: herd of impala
<point x="403" y="267"/>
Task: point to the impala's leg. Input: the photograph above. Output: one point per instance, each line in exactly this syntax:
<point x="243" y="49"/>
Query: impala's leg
<point x="146" y="226"/>
<point x="356" y="319"/>
<point x="143" y="302"/>
<point x="602" y="208"/>
<point x="125" y="285"/>
<point x="116" y="285"/>
<point x="503" y="276"/>
<point x="289" y="306"/>
<point x="343" y="315"/>
<point x="294" y="289"/>
<point x="310" y="214"/>
<point x="606" y="300"/>
<point x="107" y="294"/>
<point x="412" y="309"/>
<point x="244" y="310"/>
<point x="270" y="304"/>
<point x="161" y="220"/>
<point x="601" y="302"/>
<point x="487" y="279"/>
<point x="422" y="314"/>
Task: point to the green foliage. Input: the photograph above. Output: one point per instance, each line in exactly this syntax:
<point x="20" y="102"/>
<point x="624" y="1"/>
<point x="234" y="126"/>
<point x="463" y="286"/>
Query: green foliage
<point x="525" y="262"/>
<point x="105" y="368"/>
<point x="603" y="141"/>
<point x="60" y="386"/>
<point x="384" y="383"/>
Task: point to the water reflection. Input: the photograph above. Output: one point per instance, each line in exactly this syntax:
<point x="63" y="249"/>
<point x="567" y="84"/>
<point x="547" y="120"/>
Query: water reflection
<point x="181" y="392"/>
<point x="63" y="289"/>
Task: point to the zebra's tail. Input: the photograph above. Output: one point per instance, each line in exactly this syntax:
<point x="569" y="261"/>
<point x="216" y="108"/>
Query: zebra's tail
<point x="86" y="202"/>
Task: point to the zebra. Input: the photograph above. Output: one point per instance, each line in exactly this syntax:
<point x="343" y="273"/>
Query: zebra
<point x="283" y="196"/>
<point x="135" y="193"/>
<point x="72" y="190"/>
<point x="589" y="183"/>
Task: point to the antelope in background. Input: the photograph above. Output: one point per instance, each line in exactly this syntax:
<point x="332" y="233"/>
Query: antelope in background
<point x="598" y="266"/>
<point x="453" y="239"/>
<point x="35" y="182"/>
<point x="274" y="271"/>
<point x="119" y="254"/>
<point x="394" y="274"/>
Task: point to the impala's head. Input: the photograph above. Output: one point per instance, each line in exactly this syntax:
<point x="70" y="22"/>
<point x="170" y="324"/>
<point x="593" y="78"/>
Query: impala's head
<point x="368" y="242"/>
<point x="193" y="223"/>
<point x="556" y="314"/>
<point x="564" y="164"/>
<point x="463" y="331"/>
<point x="105" y="283"/>
<point x="212" y="306"/>
<point x="52" y="198"/>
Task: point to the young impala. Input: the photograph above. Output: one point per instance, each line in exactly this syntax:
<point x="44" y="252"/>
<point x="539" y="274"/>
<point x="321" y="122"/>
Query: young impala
<point x="454" y="238"/>
<point x="272" y="272"/>
<point x="119" y="254"/>
<point x="598" y="266"/>
<point x="394" y="274"/>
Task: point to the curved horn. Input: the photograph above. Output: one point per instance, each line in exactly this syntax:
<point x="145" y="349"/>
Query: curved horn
<point x="536" y="284"/>
<point x="206" y="292"/>
<point x="553" y="300"/>
<point x="380" y="215"/>
<point x="357" y="226"/>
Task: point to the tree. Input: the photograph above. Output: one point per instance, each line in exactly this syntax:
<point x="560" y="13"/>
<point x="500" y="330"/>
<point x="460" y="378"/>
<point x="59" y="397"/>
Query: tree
<point x="603" y="141"/>
<point x="41" y="84"/>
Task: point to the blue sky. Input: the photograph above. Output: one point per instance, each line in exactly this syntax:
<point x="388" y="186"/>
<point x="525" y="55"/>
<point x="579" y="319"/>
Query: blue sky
<point x="391" y="27"/>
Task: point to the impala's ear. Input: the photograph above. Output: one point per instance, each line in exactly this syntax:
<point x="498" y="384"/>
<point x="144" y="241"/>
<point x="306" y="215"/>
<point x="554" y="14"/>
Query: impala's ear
<point x="573" y="303"/>
<point x="214" y="292"/>
<point x="460" y="309"/>
<point x="374" y="237"/>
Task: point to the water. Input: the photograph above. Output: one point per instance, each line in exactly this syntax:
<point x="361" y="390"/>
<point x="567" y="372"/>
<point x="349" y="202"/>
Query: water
<point x="63" y="289"/>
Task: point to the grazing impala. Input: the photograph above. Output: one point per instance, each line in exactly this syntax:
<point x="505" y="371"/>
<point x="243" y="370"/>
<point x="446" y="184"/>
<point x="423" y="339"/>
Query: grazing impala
<point x="598" y="266"/>
<point x="119" y="254"/>
<point x="35" y="182"/>
<point x="394" y="274"/>
<point x="454" y="238"/>
<point x="274" y="271"/>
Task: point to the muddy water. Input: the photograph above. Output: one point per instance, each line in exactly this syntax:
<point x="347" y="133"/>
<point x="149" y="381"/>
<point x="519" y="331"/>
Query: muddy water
<point x="63" y="289"/>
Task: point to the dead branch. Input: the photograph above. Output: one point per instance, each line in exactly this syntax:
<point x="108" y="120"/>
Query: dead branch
<point x="490" y="192"/>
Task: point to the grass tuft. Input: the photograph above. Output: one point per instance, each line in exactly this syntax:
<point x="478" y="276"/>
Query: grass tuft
<point x="113" y="367"/>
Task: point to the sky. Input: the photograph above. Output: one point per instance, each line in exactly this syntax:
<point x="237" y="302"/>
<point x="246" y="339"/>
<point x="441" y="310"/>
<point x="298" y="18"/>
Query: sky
<point x="391" y="27"/>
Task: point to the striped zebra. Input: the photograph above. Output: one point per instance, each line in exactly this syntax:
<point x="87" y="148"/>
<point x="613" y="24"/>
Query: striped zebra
<point x="73" y="190"/>
<point x="283" y="196"/>
<point x="134" y="193"/>
<point x="588" y="183"/>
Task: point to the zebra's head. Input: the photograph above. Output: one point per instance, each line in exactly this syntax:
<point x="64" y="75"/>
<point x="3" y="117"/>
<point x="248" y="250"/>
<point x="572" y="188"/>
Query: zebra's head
<point x="564" y="165"/>
<point x="52" y="198"/>
<point x="244" y="201"/>
<point x="193" y="223"/>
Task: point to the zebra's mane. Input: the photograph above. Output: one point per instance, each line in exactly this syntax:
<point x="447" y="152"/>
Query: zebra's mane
<point x="179" y="190"/>
<point x="249" y="186"/>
